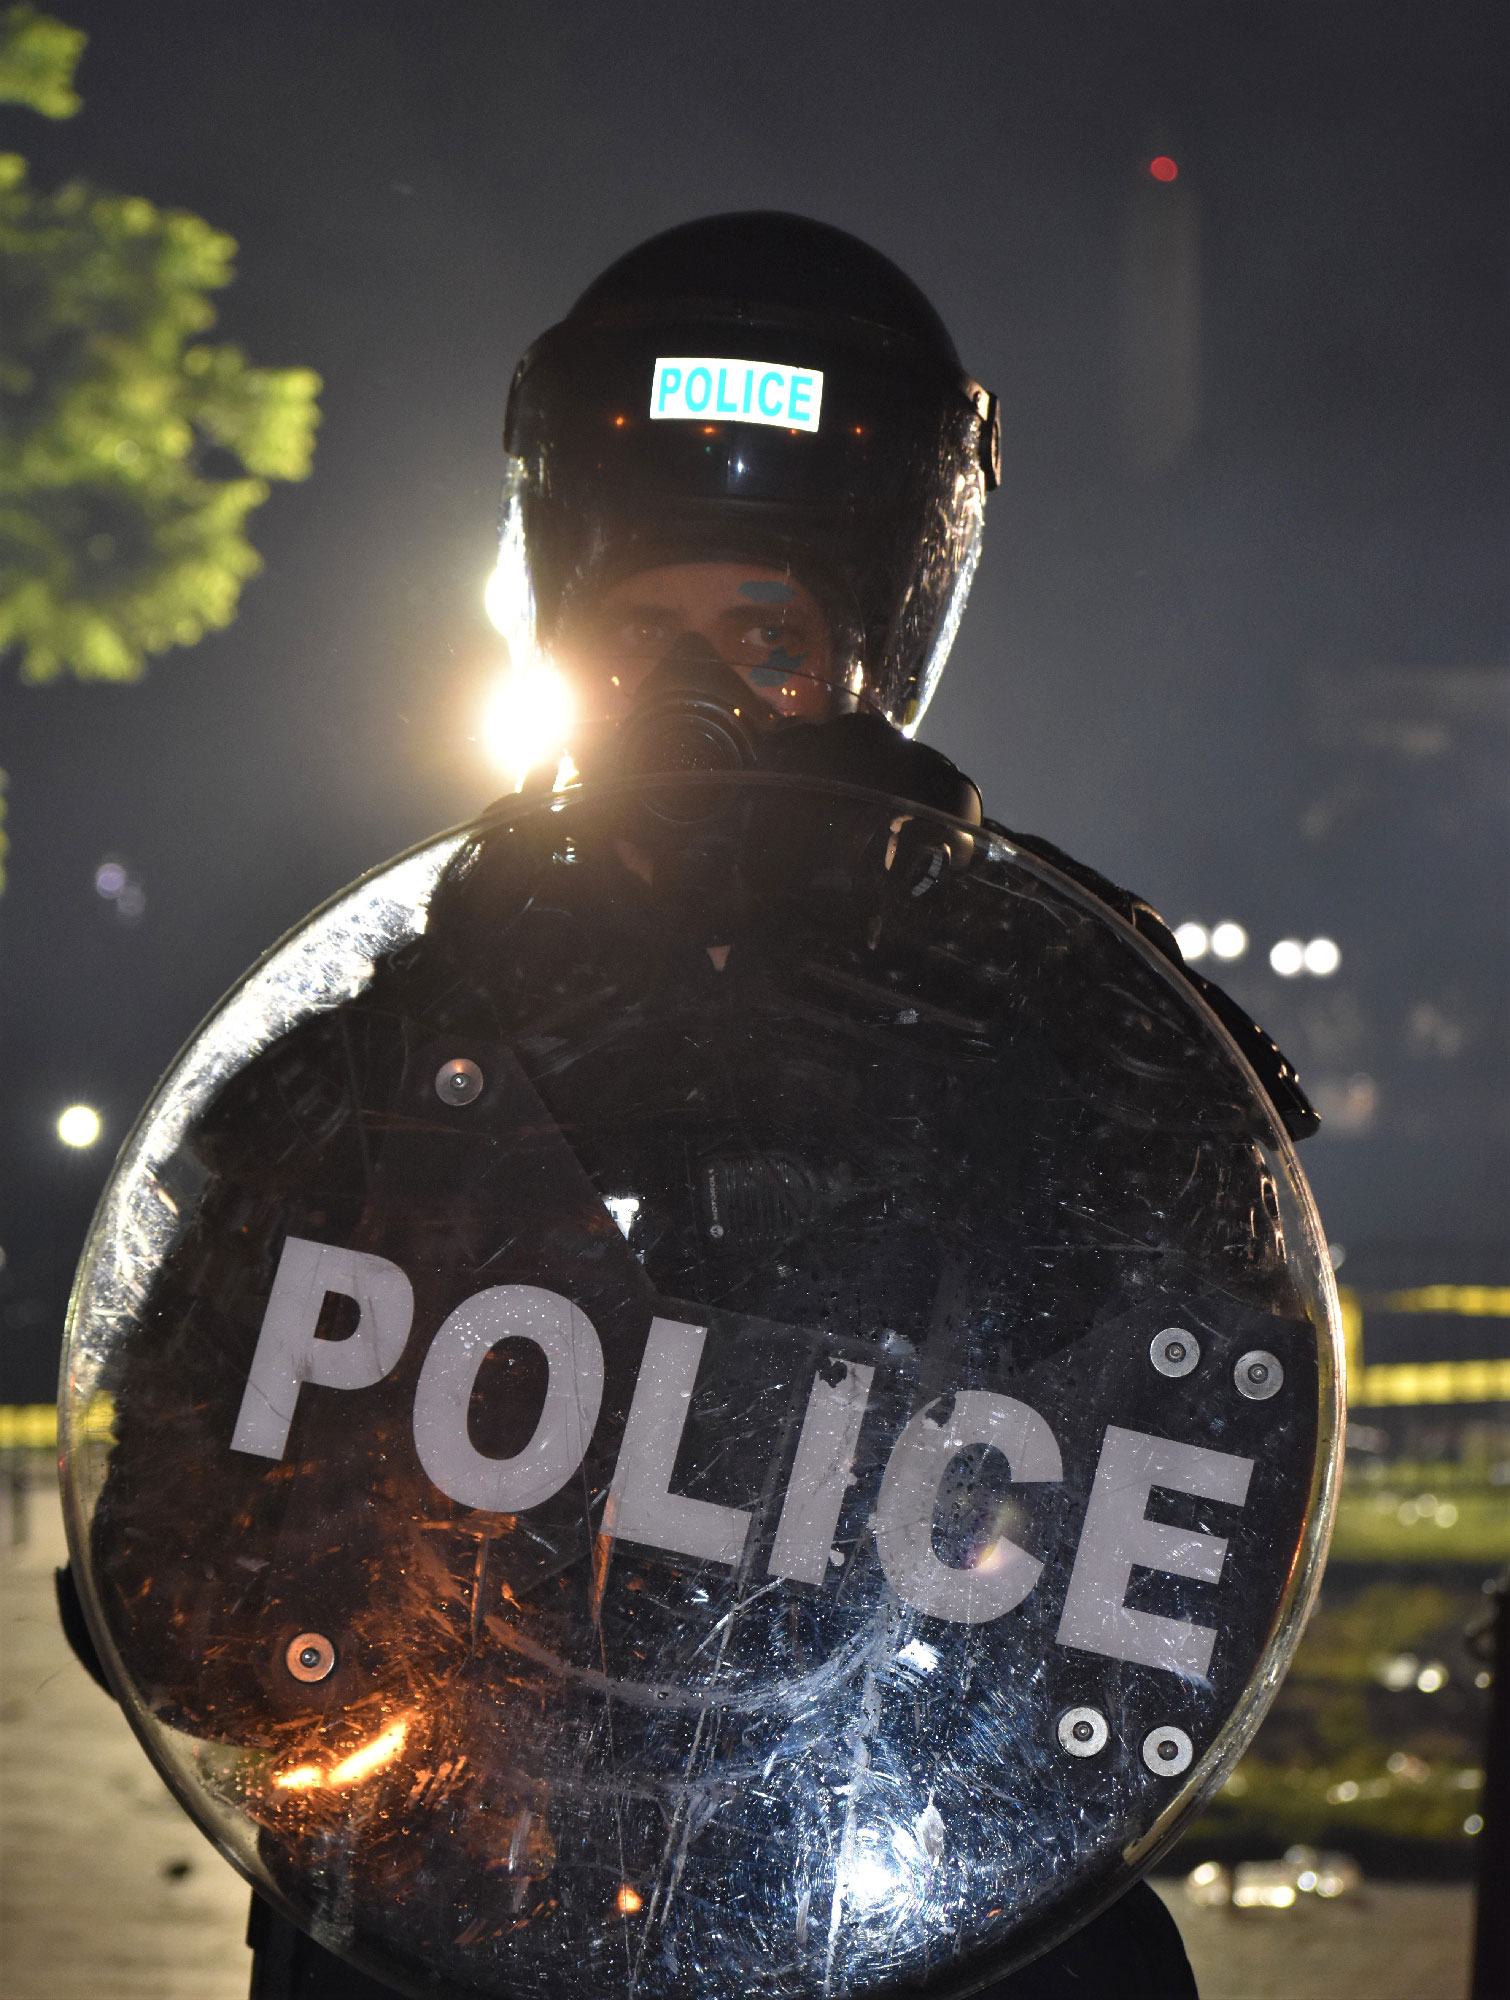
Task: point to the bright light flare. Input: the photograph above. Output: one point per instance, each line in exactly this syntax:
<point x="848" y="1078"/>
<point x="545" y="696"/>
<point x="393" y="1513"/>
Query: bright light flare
<point x="871" y="1877"/>
<point x="360" y="1764"/>
<point x="498" y="600"/>
<point x="79" y="1125"/>
<point x="526" y="722"/>
<point x="1322" y="957"/>
<point x="1194" y="941"/>
<point x="372" y="1756"/>
<point x="301" y="1779"/>
<point x="629" y="1902"/>
<point x="1229" y="940"/>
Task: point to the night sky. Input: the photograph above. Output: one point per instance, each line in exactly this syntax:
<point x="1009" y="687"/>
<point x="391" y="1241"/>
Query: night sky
<point x="1266" y="680"/>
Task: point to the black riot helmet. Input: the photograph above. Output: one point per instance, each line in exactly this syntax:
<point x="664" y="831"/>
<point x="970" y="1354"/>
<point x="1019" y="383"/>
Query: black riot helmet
<point x="759" y="388"/>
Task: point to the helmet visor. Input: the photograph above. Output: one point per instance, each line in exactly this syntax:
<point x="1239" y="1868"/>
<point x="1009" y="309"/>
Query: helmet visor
<point x="847" y="464"/>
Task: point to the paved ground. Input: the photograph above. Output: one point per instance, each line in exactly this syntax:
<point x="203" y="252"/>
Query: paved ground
<point x="107" y="1892"/>
<point x="1403" y="1941"/>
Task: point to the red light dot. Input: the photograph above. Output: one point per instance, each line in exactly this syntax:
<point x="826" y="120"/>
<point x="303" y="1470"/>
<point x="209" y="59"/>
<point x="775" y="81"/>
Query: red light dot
<point x="1164" y="168"/>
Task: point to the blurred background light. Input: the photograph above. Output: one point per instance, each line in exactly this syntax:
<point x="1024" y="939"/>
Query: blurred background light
<point x="1162" y="168"/>
<point x="1229" y="940"/>
<point x="1192" y="940"/>
<point x="1348" y="1104"/>
<point x="115" y="883"/>
<point x="1322" y="957"/>
<point x="1288" y="957"/>
<point x="79" y="1125"/>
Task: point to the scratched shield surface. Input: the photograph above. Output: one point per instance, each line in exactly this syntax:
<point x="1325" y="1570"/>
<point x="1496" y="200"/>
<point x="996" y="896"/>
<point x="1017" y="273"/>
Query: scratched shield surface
<point x="714" y="1389"/>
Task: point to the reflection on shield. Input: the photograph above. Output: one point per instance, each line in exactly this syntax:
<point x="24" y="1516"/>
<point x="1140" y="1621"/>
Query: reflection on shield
<point x="664" y="1402"/>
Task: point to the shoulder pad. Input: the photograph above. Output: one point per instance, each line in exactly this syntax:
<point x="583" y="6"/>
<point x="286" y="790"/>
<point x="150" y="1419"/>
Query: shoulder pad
<point x="1269" y="1064"/>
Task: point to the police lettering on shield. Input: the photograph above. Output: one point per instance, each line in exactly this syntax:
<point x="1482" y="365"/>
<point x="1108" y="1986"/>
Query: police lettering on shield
<point x="1115" y="1534"/>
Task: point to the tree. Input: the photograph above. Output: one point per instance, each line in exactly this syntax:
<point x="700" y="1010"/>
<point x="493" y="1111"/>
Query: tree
<point x="131" y="452"/>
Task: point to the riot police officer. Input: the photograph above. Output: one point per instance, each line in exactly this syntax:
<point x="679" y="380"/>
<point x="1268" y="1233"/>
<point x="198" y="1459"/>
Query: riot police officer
<point x="746" y="491"/>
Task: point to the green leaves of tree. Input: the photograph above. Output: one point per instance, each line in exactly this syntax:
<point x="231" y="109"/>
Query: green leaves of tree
<point x="38" y="56"/>
<point x="130" y="454"/>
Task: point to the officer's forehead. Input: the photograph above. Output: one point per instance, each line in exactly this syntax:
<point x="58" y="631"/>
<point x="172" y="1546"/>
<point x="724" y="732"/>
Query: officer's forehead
<point x="730" y="581"/>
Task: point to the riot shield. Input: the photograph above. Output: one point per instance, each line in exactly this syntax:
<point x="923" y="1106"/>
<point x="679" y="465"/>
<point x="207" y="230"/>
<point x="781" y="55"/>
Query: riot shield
<point x="724" y="1387"/>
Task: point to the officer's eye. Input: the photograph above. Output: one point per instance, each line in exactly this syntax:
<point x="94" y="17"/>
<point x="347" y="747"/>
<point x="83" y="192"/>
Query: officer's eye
<point x="640" y="632"/>
<point x="762" y="637"/>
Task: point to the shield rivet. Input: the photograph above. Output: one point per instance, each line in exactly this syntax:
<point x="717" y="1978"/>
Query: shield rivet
<point x="458" y="1082"/>
<point x="1174" y="1352"/>
<point x="1083" y="1731"/>
<point x="1258" y="1375"/>
<point x="310" y="1656"/>
<point x="1167" y="1751"/>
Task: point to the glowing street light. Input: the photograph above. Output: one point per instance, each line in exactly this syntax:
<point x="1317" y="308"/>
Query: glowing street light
<point x="1322" y="957"/>
<point x="1224" y="940"/>
<point x="1229" y="940"/>
<point x="79" y="1125"/>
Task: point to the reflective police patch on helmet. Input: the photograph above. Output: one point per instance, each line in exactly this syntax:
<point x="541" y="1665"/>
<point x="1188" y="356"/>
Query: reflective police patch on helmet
<point x="699" y="388"/>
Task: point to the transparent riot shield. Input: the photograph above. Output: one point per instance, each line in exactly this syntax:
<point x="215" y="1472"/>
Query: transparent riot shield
<point x="720" y="1388"/>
